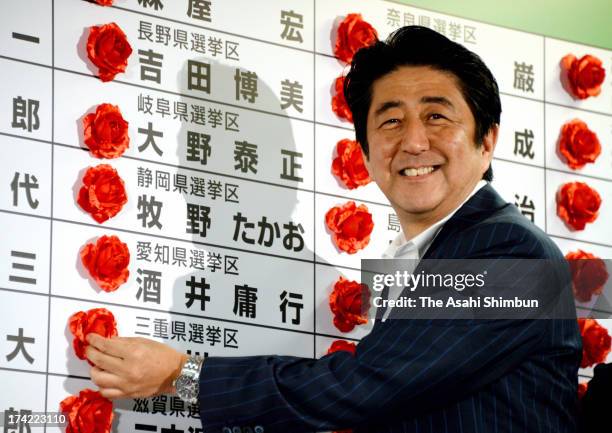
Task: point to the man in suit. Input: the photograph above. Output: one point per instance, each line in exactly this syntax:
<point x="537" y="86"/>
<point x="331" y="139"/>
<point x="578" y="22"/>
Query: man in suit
<point x="426" y="113"/>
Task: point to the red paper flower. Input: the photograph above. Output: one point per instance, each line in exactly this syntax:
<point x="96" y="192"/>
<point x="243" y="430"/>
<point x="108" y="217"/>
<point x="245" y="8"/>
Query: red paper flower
<point x="103" y="192"/>
<point x="108" y="49"/>
<point x="582" y="77"/>
<point x="349" y="302"/>
<point x="97" y="320"/>
<point x="104" y="2"/>
<point x="88" y="412"/>
<point x="107" y="262"/>
<point x="596" y="342"/>
<point x="339" y="105"/>
<point x="351" y="226"/>
<point x="578" y="144"/>
<point x="582" y="389"/>
<point x="353" y="33"/>
<point x="348" y="165"/>
<point x="577" y="204"/>
<point x="342" y="345"/>
<point x="106" y="132"/>
<point x="589" y="274"/>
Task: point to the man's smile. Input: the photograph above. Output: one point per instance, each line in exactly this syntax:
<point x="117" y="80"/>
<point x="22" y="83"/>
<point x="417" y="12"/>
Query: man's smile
<point x="421" y="171"/>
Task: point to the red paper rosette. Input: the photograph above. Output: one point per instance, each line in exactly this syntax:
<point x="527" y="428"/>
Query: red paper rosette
<point x="589" y="274"/>
<point x="578" y="144"/>
<point x="103" y="192"/>
<point x="342" y="345"/>
<point x="106" y="132"/>
<point x="582" y="389"/>
<point x="88" y="412"/>
<point x="596" y="342"/>
<point x="353" y="33"/>
<point x="339" y="105"/>
<point x="577" y="204"/>
<point x="582" y="77"/>
<point x="108" y="49"/>
<point x="351" y="226"/>
<point x="97" y="320"/>
<point x="107" y="262"/>
<point x="348" y="165"/>
<point x="349" y="302"/>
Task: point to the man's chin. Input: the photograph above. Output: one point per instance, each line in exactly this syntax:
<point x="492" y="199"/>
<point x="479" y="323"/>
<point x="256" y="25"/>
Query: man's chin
<point x="418" y="207"/>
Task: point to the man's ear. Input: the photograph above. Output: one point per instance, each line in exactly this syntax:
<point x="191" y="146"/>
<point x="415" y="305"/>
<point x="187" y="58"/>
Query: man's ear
<point x="366" y="160"/>
<point x="488" y="143"/>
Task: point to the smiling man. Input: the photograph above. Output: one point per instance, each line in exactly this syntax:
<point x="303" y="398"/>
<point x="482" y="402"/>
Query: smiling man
<point x="426" y="113"/>
<point x="421" y="150"/>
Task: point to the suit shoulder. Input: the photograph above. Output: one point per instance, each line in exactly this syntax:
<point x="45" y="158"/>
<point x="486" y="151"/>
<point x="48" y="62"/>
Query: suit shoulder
<point x="507" y="233"/>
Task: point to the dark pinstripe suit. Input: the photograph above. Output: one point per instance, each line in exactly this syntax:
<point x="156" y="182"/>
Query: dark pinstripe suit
<point x="419" y="375"/>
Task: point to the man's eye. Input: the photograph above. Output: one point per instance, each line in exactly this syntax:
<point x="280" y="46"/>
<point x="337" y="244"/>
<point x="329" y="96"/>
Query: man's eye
<point x="391" y="122"/>
<point x="436" y="116"/>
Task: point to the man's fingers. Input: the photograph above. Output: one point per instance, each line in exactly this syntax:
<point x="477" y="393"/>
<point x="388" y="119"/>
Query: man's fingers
<point x="112" y="393"/>
<point x="115" y="346"/>
<point x="106" y="362"/>
<point x="104" y="379"/>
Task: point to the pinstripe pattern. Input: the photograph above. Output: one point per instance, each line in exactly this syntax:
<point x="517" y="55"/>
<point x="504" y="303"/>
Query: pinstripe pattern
<point x="419" y="375"/>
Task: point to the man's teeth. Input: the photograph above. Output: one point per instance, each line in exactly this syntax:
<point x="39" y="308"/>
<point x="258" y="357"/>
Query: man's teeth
<point x="417" y="171"/>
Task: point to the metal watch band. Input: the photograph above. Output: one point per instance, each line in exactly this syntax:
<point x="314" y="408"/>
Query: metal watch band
<point x="192" y="365"/>
<point x="187" y="384"/>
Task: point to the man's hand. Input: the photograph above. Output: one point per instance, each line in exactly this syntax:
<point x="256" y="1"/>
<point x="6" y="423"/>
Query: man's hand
<point x="130" y="367"/>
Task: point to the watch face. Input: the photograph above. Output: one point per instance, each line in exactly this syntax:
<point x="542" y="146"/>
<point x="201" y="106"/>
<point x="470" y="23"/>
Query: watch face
<point x="186" y="388"/>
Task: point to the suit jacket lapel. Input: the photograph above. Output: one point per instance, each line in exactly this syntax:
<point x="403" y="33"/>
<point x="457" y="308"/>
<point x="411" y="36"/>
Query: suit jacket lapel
<point x="480" y="206"/>
<point x="477" y="208"/>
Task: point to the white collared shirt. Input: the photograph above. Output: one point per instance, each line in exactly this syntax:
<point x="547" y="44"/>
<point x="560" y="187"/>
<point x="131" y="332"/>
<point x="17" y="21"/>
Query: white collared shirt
<point x="415" y="248"/>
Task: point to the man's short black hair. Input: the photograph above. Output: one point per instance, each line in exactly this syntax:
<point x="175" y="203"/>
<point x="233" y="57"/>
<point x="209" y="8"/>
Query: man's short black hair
<point x="420" y="46"/>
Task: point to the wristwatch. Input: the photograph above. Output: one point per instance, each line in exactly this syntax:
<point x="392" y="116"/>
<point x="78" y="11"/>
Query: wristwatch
<point x="187" y="383"/>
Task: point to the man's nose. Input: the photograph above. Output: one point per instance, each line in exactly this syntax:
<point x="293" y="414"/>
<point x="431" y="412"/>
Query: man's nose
<point x="415" y="139"/>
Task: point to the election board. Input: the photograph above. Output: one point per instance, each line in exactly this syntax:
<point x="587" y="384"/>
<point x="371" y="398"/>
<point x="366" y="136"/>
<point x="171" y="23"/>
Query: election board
<point x="228" y="178"/>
